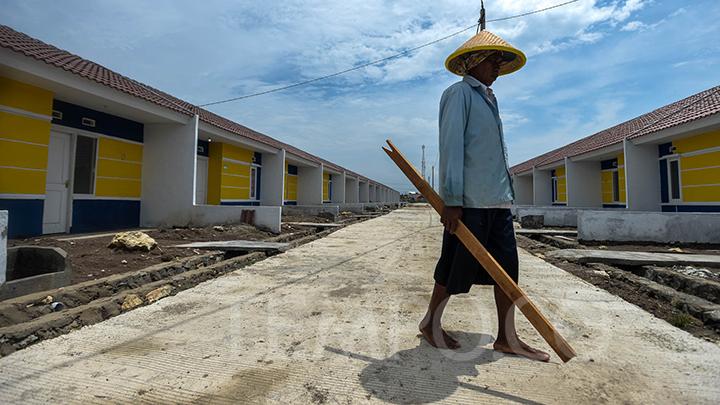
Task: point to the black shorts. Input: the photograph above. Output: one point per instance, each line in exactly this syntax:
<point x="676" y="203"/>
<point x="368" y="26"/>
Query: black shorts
<point x="458" y="269"/>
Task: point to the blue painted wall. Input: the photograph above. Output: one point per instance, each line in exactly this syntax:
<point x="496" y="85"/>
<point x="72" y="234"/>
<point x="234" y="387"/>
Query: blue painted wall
<point x="24" y="217"/>
<point x="102" y="215"/>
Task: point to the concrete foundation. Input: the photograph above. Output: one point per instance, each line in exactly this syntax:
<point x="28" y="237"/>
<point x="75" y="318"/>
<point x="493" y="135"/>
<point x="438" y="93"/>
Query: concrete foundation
<point x="272" y="180"/>
<point x="32" y="268"/>
<point x="3" y="244"/>
<point x="584" y="184"/>
<point x="206" y="215"/>
<point x="523" y="186"/>
<point x="333" y="209"/>
<point x="338" y="192"/>
<point x="663" y="227"/>
<point x="310" y="185"/>
<point x="553" y="216"/>
<point x="352" y="190"/>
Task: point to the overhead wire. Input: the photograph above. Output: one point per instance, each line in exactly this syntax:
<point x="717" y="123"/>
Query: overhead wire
<point x="385" y="59"/>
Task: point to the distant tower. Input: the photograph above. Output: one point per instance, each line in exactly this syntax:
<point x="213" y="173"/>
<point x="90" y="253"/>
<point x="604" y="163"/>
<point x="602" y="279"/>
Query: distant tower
<point x="423" y="163"/>
<point x="432" y="182"/>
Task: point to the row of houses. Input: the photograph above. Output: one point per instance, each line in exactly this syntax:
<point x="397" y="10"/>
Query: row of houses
<point x="667" y="160"/>
<point x="83" y="148"/>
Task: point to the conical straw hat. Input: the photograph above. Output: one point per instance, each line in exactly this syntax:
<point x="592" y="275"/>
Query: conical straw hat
<point x="513" y="58"/>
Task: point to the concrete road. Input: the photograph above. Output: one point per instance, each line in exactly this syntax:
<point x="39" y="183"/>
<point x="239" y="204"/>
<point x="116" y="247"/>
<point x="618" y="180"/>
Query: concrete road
<point x="335" y="321"/>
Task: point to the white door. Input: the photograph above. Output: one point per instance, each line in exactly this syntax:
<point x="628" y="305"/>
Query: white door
<point x="55" y="212"/>
<point x="201" y="176"/>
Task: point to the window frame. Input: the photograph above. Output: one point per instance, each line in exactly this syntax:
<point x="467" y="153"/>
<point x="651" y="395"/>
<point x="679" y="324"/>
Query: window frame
<point x="671" y="197"/>
<point x="253" y="183"/>
<point x="93" y="171"/>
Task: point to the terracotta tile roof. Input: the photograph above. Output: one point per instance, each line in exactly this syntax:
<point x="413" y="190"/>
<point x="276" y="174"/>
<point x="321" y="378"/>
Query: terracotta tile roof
<point x="31" y="47"/>
<point x="697" y="106"/>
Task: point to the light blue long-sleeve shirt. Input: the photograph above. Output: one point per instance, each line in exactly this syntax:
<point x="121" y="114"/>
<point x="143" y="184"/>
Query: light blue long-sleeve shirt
<point x="473" y="157"/>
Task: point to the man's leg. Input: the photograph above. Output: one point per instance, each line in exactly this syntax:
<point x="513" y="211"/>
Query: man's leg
<point x="507" y="339"/>
<point x="431" y="325"/>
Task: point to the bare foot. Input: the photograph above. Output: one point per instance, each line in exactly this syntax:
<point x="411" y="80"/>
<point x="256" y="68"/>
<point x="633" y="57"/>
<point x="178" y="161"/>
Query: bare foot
<point x="449" y="341"/>
<point x="520" y="348"/>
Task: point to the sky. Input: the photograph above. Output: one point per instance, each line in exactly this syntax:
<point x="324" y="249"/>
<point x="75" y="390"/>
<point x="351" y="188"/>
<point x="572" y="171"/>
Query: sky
<point x="591" y="64"/>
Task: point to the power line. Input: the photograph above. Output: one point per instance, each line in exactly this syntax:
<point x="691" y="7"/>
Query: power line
<point x="378" y="61"/>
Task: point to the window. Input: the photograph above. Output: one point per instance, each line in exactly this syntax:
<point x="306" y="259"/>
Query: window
<point x="674" y="177"/>
<point x="554" y="189"/>
<point x="253" y="182"/>
<point x="84" y="179"/>
<point x="615" y="186"/>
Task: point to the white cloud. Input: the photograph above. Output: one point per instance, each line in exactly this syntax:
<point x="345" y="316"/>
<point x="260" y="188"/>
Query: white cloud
<point x="634" y="26"/>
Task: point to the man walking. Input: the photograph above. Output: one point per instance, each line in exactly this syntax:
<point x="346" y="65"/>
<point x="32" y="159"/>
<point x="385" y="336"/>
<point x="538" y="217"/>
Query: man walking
<point x="476" y="187"/>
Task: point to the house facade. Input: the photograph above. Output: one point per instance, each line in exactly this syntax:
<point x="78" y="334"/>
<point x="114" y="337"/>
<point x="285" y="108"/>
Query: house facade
<point x="667" y="160"/>
<point x="84" y="149"/>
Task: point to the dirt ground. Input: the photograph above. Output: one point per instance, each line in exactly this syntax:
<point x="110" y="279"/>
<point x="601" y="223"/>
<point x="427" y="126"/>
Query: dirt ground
<point x="658" y="307"/>
<point x="92" y="259"/>
<point x="335" y="321"/>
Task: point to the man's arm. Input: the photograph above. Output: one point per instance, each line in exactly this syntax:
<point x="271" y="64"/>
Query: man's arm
<point x="453" y="119"/>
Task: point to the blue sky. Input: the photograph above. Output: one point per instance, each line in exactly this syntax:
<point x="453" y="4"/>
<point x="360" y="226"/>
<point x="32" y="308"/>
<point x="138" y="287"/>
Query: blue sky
<point x="591" y="64"/>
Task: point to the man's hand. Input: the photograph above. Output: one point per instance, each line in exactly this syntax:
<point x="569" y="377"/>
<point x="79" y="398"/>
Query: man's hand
<point x="450" y="217"/>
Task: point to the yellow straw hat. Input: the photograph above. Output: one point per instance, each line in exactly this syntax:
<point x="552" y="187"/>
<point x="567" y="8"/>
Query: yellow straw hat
<point x="486" y="41"/>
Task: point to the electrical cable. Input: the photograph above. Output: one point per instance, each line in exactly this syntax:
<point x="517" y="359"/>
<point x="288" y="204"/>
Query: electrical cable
<point x="378" y="61"/>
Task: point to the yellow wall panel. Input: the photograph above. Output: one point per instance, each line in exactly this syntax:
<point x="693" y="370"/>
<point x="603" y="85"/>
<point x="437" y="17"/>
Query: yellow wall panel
<point x="703" y="176"/>
<point x="560" y="171"/>
<point x="24" y="128"/>
<point x="118" y="188"/>
<point x="114" y="168"/>
<point x="23" y="155"/>
<point x="290" y="187"/>
<point x="237" y="153"/>
<point x="326" y="186"/>
<point x="25" y="97"/>
<point x="113" y="149"/>
<point x="235" y="181"/>
<point x="235" y="168"/>
<point x="229" y="193"/>
<point x="18" y="181"/>
<point x="701" y="194"/>
<point x="621" y="159"/>
<point x="698" y="161"/>
<point x="698" y="142"/>
<point x="214" y="183"/>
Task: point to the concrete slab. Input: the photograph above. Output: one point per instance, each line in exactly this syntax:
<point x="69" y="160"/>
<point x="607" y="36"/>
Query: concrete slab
<point x="315" y="224"/>
<point x="3" y="245"/>
<point x="635" y="258"/>
<point x="335" y="321"/>
<point x="565" y="232"/>
<point x="236" y="245"/>
<point x="99" y="235"/>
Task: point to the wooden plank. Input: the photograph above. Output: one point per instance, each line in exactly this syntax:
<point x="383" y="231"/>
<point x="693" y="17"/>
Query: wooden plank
<point x="315" y="224"/>
<point x="236" y="245"/>
<point x="553" y="232"/>
<point x="506" y="284"/>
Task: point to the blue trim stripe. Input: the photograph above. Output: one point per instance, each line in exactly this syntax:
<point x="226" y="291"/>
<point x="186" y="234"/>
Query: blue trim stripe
<point x="614" y="206"/>
<point x="24" y="217"/>
<point x="105" y="124"/>
<point x="608" y="164"/>
<point x="241" y="203"/>
<point x="104" y="215"/>
<point x="691" y="208"/>
<point x="290" y="203"/>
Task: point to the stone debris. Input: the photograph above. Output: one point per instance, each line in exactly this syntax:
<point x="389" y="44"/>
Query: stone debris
<point x="532" y="221"/>
<point x="158" y="293"/>
<point x="47" y="300"/>
<point x="133" y="240"/>
<point x="219" y="228"/>
<point x="131" y="301"/>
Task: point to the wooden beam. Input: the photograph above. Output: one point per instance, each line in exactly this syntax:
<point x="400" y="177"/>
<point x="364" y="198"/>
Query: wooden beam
<point x="506" y="284"/>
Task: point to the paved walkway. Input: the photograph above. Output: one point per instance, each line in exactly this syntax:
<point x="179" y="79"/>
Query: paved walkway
<point x="334" y="321"/>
